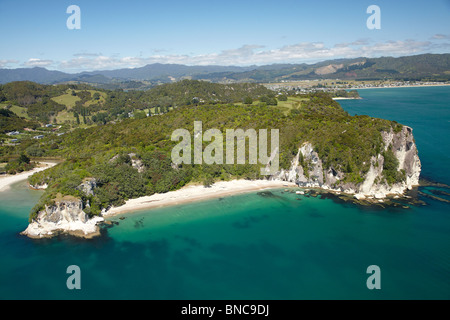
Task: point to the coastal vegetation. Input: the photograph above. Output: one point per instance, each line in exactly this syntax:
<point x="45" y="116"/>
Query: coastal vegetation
<point x="120" y="142"/>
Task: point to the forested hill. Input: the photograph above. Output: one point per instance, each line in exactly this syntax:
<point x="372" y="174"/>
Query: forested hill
<point x="435" y="67"/>
<point x="132" y="158"/>
<point x="80" y="104"/>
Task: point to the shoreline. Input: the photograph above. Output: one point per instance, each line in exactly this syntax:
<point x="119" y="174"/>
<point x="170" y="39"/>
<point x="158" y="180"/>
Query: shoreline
<point x="7" y="180"/>
<point x="195" y="193"/>
<point x="408" y="86"/>
<point x="345" y="98"/>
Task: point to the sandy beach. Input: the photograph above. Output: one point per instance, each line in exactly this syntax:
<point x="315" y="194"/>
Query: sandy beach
<point x="7" y="180"/>
<point x="343" y="98"/>
<point x="196" y="193"/>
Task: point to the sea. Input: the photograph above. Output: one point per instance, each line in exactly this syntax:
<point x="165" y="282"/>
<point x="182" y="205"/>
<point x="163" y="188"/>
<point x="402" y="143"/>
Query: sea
<point x="271" y="245"/>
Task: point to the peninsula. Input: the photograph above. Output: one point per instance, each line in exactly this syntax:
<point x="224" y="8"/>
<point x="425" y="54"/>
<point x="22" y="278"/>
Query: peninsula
<point x="120" y="152"/>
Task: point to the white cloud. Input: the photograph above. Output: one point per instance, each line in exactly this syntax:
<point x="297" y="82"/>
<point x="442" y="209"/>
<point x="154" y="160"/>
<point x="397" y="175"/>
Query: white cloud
<point x="250" y="54"/>
<point x="6" y="62"/>
<point x="440" y="36"/>
<point x="87" y="54"/>
<point x="33" y="62"/>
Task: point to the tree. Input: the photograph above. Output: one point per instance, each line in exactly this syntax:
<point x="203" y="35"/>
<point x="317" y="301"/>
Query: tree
<point x="208" y="181"/>
<point x="248" y="100"/>
<point x="140" y="115"/>
<point x="24" y="159"/>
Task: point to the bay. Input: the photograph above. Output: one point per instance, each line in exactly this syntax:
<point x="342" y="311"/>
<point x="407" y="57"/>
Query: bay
<point x="256" y="245"/>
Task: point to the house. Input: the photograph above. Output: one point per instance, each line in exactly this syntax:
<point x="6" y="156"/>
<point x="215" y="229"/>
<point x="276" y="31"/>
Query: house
<point x="38" y="137"/>
<point x="14" y="140"/>
<point x="13" y="133"/>
<point x="48" y="125"/>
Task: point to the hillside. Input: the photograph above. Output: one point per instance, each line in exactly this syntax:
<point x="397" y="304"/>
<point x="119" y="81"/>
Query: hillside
<point x="435" y="67"/>
<point x="420" y="67"/>
<point x="75" y="105"/>
<point x="132" y="158"/>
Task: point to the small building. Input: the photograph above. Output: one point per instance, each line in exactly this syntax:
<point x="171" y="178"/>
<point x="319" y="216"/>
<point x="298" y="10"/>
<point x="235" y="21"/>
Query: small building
<point x="48" y="125"/>
<point x="14" y="140"/>
<point x="13" y="133"/>
<point x="38" y="137"/>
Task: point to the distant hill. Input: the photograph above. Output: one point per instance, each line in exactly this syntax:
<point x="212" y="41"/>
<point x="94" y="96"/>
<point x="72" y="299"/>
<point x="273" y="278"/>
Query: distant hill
<point x="67" y="102"/>
<point x="36" y="74"/>
<point x="418" y="67"/>
<point x="158" y="71"/>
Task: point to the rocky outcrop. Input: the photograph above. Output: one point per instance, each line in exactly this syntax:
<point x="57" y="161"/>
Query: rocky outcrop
<point x="66" y="215"/>
<point x="88" y="186"/>
<point x="313" y="174"/>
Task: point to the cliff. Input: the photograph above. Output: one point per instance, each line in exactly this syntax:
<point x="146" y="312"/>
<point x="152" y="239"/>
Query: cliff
<point x="65" y="215"/>
<point x="375" y="183"/>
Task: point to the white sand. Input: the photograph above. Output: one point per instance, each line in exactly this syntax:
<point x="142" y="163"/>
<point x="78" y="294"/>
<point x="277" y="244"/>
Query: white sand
<point x="7" y="180"/>
<point x="343" y="98"/>
<point x="195" y="193"/>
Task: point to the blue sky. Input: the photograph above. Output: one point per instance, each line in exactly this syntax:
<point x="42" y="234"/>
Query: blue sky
<point x="123" y="34"/>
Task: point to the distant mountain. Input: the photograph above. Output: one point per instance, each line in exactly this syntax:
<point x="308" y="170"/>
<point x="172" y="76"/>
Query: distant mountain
<point x="158" y="71"/>
<point x="418" y="67"/>
<point x="36" y="74"/>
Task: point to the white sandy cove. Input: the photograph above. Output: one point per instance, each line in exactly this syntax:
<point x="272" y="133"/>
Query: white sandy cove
<point x="7" y="180"/>
<point x="195" y="193"/>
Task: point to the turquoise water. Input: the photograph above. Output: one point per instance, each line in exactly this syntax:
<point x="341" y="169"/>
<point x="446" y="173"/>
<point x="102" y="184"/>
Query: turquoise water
<point x="425" y="109"/>
<point x="252" y="246"/>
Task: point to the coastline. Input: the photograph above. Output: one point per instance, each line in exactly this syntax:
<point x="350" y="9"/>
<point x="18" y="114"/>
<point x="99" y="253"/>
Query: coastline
<point x="7" y="180"/>
<point x="408" y="86"/>
<point x="196" y="193"/>
<point x="345" y="98"/>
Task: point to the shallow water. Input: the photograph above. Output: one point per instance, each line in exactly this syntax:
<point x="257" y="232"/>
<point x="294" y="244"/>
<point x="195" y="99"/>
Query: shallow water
<point x="254" y="246"/>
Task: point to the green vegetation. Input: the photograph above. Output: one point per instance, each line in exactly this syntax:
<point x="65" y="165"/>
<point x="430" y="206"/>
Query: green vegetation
<point x="128" y="154"/>
<point x="390" y="168"/>
<point x="18" y="165"/>
<point x="345" y="94"/>
<point x="9" y="121"/>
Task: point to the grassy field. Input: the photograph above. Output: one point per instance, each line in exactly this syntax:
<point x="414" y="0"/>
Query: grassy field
<point x="64" y="116"/>
<point x="67" y="99"/>
<point x="292" y="102"/>
<point x="103" y="96"/>
<point x="19" y="111"/>
<point x="285" y="106"/>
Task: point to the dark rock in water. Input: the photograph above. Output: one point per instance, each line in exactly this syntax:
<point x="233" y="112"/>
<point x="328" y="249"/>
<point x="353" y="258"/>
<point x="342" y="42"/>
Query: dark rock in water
<point x="122" y="218"/>
<point x="266" y="194"/>
<point x="139" y="223"/>
<point x="439" y="192"/>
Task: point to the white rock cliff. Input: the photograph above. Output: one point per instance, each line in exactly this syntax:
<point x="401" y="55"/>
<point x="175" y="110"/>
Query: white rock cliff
<point x="403" y="146"/>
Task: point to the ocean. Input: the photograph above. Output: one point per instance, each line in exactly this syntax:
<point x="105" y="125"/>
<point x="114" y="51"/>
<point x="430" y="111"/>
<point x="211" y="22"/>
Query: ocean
<point x="258" y="245"/>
